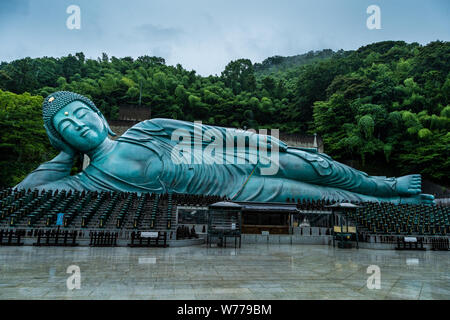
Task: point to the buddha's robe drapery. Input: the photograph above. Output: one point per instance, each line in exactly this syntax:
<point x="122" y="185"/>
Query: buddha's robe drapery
<point x="235" y="180"/>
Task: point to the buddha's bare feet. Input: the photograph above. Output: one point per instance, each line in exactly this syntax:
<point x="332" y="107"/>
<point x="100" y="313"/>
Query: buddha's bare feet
<point x="420" y="198"/>
<point x="409" y="185"/>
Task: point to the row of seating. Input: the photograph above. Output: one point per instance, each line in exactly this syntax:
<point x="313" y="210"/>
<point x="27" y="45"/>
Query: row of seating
<point x="169" y="211"/>
<point x="124" y="210"/>
<point x="307" y="204"/>
<point x="35" y="209"/>
<point x="387" y="218"/>
<point x="140" y="210"/>
<point x="91" y="210"/>
<point x="154" y="212"/>
<point x="104" y="210"/>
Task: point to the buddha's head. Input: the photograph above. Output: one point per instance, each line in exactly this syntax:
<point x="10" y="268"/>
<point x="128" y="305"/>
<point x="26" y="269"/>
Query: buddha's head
<point x="72" y="120"/>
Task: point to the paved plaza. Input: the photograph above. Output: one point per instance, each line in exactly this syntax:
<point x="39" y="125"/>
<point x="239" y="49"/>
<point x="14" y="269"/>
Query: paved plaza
<point x="252" y="272"/>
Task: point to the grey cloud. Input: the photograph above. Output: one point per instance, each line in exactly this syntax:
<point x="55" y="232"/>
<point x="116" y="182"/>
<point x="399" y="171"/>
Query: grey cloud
<point x="158" y="33"/>
<point x="205" y="35"/>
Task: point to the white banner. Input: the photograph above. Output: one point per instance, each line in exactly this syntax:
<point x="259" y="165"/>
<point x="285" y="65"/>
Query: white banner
<point x="149" y="234"/>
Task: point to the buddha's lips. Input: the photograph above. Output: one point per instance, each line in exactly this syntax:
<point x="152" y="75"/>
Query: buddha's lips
<point x="84" y="132"/>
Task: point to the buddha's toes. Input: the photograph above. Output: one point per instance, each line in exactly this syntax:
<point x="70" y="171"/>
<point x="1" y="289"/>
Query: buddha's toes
<point x="419" y="198"/>
<point x="409" y="185"/>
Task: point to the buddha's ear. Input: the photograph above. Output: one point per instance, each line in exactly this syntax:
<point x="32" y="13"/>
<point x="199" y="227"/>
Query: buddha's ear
<point x="110" y="132"/>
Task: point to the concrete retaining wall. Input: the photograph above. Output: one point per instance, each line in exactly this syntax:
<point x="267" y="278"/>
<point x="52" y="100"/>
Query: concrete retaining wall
<point x="124" y="242"/>
<point x="310" y="231"/>
<point x="385" y="246"/>
<point x="282" y="239"/>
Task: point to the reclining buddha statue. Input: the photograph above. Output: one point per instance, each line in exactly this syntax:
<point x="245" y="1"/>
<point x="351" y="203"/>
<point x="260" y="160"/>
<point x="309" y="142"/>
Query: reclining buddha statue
<point x="172" y="156"/>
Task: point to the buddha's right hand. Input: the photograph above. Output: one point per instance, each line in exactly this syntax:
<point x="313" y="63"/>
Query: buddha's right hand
<point x="68" y="151"/>
<point x="62" y="146"/>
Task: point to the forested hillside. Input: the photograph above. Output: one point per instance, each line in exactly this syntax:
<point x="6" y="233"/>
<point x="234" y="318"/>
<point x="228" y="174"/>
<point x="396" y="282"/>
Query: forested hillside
<point x="385" y="105"/>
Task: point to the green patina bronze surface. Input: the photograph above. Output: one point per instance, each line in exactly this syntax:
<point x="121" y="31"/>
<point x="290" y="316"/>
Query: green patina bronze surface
<point x="147" y="158"/>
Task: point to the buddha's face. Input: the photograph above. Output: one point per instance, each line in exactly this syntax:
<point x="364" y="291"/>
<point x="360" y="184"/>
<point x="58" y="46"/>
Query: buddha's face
<point x="80" y="126"/>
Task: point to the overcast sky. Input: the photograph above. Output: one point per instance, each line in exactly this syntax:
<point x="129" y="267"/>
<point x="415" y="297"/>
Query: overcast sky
<point x="205" y="35"/>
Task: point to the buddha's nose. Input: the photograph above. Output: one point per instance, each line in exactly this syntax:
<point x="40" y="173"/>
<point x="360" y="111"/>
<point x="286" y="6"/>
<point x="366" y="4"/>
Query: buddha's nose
<point x="78" y="125"/>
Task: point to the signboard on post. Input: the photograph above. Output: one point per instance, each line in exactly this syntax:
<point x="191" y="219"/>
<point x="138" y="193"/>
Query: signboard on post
<point x="149" y="234"/>
<point x="410" y="239"/>
<point x="60" y="219"/>
<point x="352" y="229"/>
<point x="344" y="229"/>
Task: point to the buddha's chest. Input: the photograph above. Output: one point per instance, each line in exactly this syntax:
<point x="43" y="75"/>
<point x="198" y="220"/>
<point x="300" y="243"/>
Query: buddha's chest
<point x="133" y="164"/>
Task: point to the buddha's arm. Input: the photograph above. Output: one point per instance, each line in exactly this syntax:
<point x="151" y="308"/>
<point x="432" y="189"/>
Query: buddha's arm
<point x="53" y="170"/>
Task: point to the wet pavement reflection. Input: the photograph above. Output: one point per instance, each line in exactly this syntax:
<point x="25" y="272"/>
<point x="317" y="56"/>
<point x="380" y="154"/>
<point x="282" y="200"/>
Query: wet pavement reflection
<point x="251" y="272"/>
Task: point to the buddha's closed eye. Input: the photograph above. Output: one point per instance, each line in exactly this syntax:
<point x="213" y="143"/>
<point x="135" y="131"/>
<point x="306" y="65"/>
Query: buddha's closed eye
<point x="63" y="125"/>
<point x="80" y="114"/>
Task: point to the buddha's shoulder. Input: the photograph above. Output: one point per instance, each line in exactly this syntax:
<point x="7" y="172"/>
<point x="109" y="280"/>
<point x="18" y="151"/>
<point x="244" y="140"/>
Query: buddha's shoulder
<point x="159" y="124"/>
